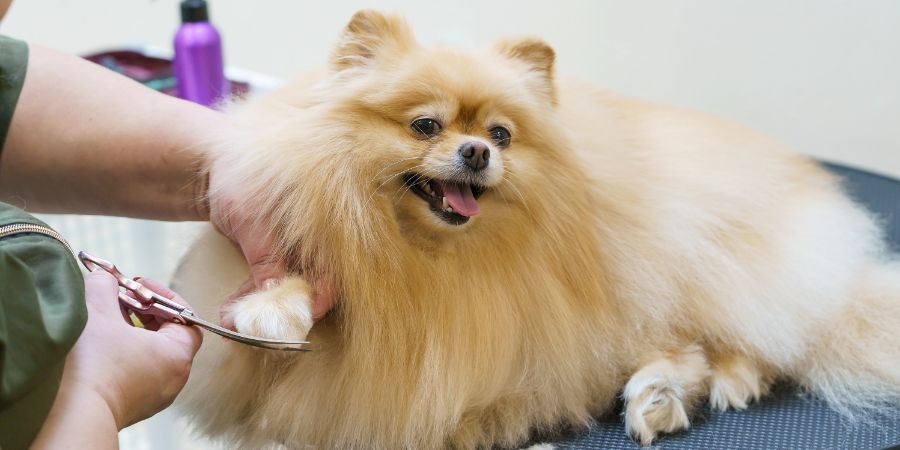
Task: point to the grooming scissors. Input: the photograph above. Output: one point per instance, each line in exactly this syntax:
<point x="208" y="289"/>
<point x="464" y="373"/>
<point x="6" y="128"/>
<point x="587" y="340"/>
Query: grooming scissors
<point x="137" y="298"/>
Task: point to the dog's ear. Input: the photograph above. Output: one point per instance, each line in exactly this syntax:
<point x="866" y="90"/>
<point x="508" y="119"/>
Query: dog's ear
<point x="538" y="59"/>
<point x="371" y="36"/>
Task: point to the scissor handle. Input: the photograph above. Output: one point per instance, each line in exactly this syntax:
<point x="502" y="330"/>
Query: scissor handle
<point x="168" y="311"/>
<point x="141" y="293"/>
<point x="146" y="301"/>
<point x="93" y="263"/>
<point x="136" y="297"/>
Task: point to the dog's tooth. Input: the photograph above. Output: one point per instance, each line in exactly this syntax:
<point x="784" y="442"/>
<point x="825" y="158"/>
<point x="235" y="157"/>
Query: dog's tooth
<point x="444" y="203"/>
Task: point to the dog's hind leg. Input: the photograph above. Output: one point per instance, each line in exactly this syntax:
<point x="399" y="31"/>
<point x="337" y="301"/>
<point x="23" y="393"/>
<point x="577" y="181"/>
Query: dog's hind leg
<point x="736" y="381"/>
<point x="660" y="396"/>
<point x="854" y="363"/>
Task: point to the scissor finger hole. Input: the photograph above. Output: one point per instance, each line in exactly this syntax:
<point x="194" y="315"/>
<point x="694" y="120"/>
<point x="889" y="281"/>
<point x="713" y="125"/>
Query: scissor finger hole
<point x="131" y="318"/>
<point x="148" y="321"/>
<point x="131" y="311"/>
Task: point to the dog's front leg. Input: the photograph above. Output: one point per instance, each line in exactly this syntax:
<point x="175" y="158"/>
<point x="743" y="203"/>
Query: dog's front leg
<point x="660" y="397"/>
<point x="283" y="310"/>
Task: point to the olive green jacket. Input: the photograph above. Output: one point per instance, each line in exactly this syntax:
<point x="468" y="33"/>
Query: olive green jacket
<point x="42" y="309"/>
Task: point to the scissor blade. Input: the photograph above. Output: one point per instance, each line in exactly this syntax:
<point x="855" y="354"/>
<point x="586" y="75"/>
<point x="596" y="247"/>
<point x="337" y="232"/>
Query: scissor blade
<point x="271" y="344"/>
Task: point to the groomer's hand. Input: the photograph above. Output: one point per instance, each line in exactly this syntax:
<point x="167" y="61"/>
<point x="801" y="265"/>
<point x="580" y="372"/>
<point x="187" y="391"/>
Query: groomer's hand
<point x="243" y="227"/>
<point x="138" y="371"/>
<point x="116" y="374"/>
<point x="231" y="217"/>
<point x="245" y="230"/>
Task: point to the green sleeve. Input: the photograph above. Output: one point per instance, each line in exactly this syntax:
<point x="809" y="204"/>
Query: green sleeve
<point x="42" y="313"/>
<point x="13" y="62"/>
<point x="42" y="309"/>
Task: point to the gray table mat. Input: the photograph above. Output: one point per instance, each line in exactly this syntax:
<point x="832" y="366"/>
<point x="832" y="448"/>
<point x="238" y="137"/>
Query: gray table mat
<point x="785" y="420"/>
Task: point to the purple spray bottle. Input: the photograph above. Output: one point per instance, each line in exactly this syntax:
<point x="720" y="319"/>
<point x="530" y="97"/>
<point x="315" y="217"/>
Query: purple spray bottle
<point x="199" y="71"/>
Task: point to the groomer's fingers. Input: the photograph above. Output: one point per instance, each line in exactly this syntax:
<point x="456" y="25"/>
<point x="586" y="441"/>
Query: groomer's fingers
<point x="150" y="322"/>
<point x="264" y="265"/>
<point x="188" y="336"/>
<point x="225" y="318"/>
<point x="324" y="293"/>
<point x="102" y="295"/>
<point x="160" y="289"/>
<point x="236" y="221"/>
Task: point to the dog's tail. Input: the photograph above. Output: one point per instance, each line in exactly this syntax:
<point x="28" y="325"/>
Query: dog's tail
<point x="855" y="365"/>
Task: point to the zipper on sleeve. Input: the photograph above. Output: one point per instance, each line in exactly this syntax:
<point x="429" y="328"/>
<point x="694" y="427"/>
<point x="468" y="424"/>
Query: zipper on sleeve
<point x="24" y="228"/>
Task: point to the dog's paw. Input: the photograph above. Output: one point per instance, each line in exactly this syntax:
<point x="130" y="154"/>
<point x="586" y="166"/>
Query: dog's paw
<point x="656" y="408"/>
<point x="659" y="396"/>
<point x="281" y="311"/>
<point x="735" y="383"/>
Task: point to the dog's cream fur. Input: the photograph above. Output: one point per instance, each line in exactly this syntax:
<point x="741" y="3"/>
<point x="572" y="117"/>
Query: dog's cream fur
<point x="620" y="245"/>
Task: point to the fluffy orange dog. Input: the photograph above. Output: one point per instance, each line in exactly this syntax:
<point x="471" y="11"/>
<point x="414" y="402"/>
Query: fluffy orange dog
<point x="514" y="252"/>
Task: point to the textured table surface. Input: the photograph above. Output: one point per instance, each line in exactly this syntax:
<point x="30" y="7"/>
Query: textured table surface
<point x="784" y="420"/>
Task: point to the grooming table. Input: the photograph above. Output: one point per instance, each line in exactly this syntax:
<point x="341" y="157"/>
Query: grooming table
<point x="785" y="419"/>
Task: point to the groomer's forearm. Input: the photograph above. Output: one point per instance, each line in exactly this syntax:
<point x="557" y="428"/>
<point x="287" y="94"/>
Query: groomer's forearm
<point x="78" y="419"/>
<point x="86" y="140"/>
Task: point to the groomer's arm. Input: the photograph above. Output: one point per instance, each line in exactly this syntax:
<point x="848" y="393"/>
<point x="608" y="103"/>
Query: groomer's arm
<point x="116" y="374"/>
<point x="86" y="140"/>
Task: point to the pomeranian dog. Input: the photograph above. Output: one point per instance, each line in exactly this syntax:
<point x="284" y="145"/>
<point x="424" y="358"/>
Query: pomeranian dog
<point x="513" y="253"/>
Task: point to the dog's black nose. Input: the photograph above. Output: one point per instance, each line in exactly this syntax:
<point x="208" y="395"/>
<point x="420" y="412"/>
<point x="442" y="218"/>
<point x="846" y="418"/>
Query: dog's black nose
<point x="475" y="154"/>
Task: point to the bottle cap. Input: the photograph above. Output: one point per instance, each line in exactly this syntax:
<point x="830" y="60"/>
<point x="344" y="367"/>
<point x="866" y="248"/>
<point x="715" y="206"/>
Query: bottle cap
<point x="194" y="11"/>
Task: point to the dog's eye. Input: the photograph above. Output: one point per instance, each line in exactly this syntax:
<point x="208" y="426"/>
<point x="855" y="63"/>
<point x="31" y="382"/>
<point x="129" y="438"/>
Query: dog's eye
<point x="426" y="127"/>
<point x="500" y="136"/>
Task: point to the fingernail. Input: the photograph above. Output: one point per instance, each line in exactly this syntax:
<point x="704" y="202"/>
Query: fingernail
<point x="270" y="283"/>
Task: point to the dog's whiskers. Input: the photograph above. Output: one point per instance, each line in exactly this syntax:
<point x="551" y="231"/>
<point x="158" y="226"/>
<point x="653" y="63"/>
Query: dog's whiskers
<point x="508" y="176"/>
<point x="391" y="177"/>
<point x="505" y="200"/>
<point x="399" y="161"/>
<point x="427" y="172"/>
<point x="407" y="186"/>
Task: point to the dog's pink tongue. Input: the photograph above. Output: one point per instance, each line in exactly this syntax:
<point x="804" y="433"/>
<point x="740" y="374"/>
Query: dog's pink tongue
<point x="460" y="197"/>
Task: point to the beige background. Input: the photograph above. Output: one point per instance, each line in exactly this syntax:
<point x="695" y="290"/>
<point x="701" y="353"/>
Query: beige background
<point x="823" y="76"/>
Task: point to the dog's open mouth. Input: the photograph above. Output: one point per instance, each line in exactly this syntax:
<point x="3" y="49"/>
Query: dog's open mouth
<point x="452" y="201"/>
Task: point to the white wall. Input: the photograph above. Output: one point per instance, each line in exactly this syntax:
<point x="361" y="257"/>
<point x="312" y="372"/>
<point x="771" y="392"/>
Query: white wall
<point x="823" y="76"/>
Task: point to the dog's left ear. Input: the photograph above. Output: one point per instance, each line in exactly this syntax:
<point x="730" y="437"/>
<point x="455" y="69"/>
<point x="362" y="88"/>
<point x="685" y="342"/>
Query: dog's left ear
<point x="538" y="59"/>
<point x="369" y="37"/>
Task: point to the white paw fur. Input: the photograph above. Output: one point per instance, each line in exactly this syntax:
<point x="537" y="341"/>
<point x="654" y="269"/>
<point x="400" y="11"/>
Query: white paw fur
<point x="735" y="385"/>
<point x="658" y="395"/>
<point x="282" y="311"/>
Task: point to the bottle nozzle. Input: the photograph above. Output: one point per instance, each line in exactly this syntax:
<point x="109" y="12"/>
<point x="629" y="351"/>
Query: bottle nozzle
<point x="194" y="11"/>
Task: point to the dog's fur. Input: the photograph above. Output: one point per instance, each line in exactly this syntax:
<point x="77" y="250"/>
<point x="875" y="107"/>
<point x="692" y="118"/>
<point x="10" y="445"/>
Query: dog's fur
<point x="622" y="248"/>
